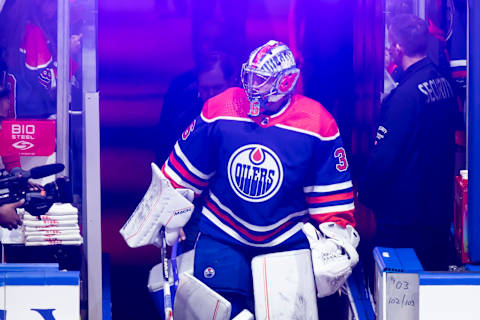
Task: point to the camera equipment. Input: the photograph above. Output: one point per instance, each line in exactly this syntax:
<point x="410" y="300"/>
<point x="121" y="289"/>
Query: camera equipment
<point x="14" y="186"/>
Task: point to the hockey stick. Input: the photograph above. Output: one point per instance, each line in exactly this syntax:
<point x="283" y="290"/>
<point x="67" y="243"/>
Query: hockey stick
<point x="173" y="262"/>
<point x="167" y="298"/>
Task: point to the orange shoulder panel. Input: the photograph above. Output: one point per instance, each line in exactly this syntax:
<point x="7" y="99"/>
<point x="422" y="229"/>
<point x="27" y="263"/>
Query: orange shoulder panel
<point x="231" y="103"/>
<point x="310" y="115"/>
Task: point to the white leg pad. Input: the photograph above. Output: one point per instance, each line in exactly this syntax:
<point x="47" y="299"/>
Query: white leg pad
<point x="194" y="300"/>
<point x="283" y="286"/>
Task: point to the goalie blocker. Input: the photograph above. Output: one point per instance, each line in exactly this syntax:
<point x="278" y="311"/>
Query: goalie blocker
<point x="162" y="205"/>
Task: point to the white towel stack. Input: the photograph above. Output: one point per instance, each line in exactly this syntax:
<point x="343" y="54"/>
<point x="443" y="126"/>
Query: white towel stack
<point x="58" y="226"/>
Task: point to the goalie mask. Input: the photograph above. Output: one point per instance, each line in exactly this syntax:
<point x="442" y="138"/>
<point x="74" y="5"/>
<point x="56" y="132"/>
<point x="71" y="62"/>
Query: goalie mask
<point x="269" y="75"/>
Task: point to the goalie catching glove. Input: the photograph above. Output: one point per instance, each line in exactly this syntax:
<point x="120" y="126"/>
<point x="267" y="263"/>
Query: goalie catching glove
<point x="162" y="205"/>
<point x="334" y="255"/>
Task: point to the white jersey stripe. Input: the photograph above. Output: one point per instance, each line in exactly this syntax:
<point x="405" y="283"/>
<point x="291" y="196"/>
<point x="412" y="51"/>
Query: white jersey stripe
<point x="190" y="167"/>
<point x="340" y="208"/>
<point x="231" y="232"/>
<point x="252" y="226"/>
<point x="179" y="180"/>
<point x="41" y="66"/>
<point x="330" y="138"/>
<point x="458" y="63"/>
<point x="329" y="187"/>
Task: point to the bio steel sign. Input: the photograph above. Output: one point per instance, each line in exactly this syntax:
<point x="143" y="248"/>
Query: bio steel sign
<point x="27" y="137"/>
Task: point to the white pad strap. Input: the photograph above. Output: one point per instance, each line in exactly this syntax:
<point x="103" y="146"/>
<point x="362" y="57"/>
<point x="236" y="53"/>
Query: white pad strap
<point x="195" y="300"/>
<point x="283" y="286"/>
<point x="162" y="205"/>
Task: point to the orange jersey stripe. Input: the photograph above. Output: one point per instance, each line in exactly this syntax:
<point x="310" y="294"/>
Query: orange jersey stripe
<point x="333" y="197"/>
<point x="340" y="218"/>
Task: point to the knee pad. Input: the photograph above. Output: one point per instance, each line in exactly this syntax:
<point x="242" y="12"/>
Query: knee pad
<point x="284" y="286"/>
<point x="194" y="300"/>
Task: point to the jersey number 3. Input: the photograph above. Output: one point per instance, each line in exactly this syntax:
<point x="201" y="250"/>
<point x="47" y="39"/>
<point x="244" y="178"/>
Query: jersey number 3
<point x="189" y="130"/>
<point x="342" y="164"/>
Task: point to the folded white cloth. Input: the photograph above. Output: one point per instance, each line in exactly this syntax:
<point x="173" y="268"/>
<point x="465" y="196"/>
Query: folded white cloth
<point x="42" y="223"/>
<point x="72" y="237"/>
<point x="52" y="242"/>
<point x="47" y="217"/>
<point x="59" y="209"/>
<point x="46" y="228"/>
<point x="51" y="233"/>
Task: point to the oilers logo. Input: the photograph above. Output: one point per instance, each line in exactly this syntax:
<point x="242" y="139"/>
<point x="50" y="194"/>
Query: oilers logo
<point x="255" y="173"/>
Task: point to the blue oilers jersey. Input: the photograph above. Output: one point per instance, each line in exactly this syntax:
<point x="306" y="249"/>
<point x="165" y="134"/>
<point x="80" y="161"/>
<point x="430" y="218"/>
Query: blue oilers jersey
<point x="264" y="176"/>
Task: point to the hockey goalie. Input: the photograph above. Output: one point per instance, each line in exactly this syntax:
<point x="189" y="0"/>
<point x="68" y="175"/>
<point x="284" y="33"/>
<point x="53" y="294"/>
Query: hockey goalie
<point x="277" y="226"/>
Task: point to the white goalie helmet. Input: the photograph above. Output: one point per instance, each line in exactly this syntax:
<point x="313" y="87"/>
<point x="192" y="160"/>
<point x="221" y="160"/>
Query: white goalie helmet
<point x="269" y="74"/>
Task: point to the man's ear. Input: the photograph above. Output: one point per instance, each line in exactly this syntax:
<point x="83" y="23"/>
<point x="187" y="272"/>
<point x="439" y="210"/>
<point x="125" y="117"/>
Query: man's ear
<point x="399" y="48"/>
